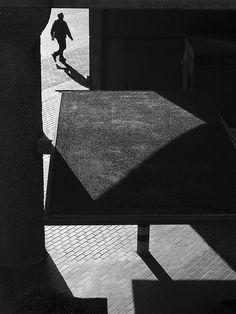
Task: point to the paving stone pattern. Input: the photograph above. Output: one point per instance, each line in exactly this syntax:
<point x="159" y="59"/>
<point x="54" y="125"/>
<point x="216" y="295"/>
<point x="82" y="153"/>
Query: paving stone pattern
<point x="101" y="261"/>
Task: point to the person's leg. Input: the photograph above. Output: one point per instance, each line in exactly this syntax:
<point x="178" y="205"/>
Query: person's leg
<point x="62" y="45"/>
<point x="56" y="53"/>
<point x="59" y="52"/>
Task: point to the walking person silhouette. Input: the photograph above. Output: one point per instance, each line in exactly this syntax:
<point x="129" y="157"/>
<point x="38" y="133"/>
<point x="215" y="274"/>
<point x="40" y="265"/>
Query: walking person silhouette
<point x="59" y="31"/>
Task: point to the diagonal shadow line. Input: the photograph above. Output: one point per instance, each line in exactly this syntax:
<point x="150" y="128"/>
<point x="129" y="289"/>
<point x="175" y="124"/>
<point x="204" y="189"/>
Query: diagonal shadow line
<point x="167" y="178"/>
<point x="156" y="268"/>
<point x="65" y="192"/>
<point x="202" y="112"/>
<point x="222" y="239"/>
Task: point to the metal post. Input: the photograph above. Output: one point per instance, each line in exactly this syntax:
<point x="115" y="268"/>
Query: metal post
<point x="143" y="236"/>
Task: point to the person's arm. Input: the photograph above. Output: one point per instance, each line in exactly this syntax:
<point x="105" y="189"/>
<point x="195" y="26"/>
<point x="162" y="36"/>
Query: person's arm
<point x="68" y="32"/>
<point x="53" y="31"/>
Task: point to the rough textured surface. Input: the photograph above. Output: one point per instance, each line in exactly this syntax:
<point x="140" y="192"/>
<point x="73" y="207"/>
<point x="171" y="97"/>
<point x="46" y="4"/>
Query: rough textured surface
<point x="141" y="153"/>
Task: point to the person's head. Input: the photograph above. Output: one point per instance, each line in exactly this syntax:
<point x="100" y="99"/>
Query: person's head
<point x="60" y="16"/>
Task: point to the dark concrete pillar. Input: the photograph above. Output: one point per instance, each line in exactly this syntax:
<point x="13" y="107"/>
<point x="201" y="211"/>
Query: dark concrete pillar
<point x="21" y="168"/>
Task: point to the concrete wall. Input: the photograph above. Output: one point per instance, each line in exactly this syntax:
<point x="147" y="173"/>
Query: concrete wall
<point x="143" y="49"/>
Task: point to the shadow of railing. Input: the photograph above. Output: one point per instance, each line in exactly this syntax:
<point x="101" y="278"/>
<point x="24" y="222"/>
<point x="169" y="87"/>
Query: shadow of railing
<point x="156" y="268"/>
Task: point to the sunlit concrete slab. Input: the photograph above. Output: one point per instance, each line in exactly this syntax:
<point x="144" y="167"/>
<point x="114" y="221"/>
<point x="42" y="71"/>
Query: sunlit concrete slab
<point x="131" y="157"/>
<point x="191" y="267"/>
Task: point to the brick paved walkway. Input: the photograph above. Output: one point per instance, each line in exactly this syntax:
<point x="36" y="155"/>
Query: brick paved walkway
<point x="191" y="267"/>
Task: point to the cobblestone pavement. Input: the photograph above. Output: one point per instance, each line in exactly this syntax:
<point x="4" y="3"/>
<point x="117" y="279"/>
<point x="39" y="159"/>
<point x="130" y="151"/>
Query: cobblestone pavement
<point x="101" y="261"/>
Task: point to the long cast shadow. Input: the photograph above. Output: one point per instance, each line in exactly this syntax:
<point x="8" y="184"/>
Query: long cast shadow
<point x="156" y="268"/>
<point x="74" y="74"/>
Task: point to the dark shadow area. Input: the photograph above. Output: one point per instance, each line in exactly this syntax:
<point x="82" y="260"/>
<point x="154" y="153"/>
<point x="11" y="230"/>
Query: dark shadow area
<point x="186" y="168"/>
<point x="74" y="74"/>
<point x="187" y="176"/>
<point x="222" y="239"/>
<point x="156" y="268"/>
<point x="18" y="282"/>
<point x="197" y="103"/>
<point x="189" y="294"/>
<point x="65" y="191"/>
<point x="195" y="297"/>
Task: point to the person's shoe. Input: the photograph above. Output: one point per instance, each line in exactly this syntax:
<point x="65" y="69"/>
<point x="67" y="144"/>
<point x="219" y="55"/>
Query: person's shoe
<point x="54" y="57"/>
